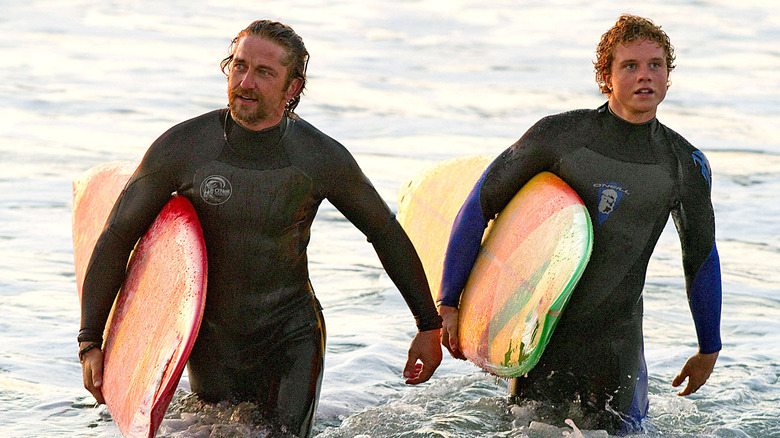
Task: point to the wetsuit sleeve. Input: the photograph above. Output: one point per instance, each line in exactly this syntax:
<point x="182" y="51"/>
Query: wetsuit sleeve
<point x="403" y="266"/>
<point x="143" y="197"/>
<point x="356" y="198"/>
<point x="492" y="192"/>
<point x="463" y="247"/>
<point x="695" y="222"/>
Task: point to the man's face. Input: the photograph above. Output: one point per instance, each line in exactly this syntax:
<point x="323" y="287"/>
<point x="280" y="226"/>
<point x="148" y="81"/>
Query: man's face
<point x="257" y="83"/>
<point x="638" y="80"/>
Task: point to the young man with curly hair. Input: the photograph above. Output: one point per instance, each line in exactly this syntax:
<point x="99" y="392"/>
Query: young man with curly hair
<point x="631" y="172"/>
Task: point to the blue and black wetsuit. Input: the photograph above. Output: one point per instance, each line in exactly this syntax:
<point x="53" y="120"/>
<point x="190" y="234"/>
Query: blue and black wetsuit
<point x="630" y="177"/>
<point x="256" y="195"/>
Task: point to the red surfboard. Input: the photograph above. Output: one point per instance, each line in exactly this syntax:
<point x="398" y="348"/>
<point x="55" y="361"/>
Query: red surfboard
<point x="158" y="310"/>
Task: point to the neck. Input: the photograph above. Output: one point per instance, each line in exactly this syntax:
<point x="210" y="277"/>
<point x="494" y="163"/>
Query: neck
<point x="635" y="118"/>
<point x="239" y="136"/>
<point x="266" y="123"/>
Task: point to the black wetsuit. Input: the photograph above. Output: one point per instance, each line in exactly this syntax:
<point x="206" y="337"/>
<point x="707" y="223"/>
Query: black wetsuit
<point x="630" y="177"/>
<point x="256" y="195"/>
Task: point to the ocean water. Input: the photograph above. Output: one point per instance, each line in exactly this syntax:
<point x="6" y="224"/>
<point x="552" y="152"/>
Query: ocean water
<point x="402" y="84"/>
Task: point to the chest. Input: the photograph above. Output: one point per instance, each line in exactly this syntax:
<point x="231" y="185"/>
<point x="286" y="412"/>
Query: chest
<point x="617" y="190"/>
<point x="260" y="201"/>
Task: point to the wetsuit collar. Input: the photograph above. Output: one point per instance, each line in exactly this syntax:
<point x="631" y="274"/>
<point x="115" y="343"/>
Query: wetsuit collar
<point x="242" y="139"/>
<point x="606" y="109"/>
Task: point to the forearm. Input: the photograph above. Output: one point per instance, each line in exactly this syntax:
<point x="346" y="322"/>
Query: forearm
<point x="462" y="249"/>
<point x="404" y="268"/>
<point x="102" y="281"/>
<point x="705" y="300"/>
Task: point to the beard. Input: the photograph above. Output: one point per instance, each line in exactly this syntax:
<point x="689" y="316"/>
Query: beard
<point x="248" y="116"/>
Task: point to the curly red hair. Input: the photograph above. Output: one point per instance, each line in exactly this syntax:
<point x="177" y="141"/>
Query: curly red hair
<point x="629" y="28"/>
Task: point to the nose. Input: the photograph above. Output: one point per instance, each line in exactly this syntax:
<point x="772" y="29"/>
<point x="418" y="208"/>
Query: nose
<point x="247" y="81"/>
<point x="644" y="74"/>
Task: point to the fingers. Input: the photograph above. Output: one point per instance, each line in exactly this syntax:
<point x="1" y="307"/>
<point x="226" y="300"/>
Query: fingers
<point x="693" y="383"/>
<point x="690" y="388"/>
<point x="411" y="369"/>
<point x="678" y="380"/>
<point x="92" y="371"/>
<point x="425" y="373"/>
<point x="697" y="370"/>
<point x="455" y="348"/>
<point x="449" y="338"/>
<point x="425" y="349"/>
<point x="419" y="374"/>
<point x="97" y="380"/>
<point x="452" y="344"/>
<point x="445" y="340"/>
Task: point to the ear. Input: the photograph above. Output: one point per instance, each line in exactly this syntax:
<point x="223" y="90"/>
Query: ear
<point x="293" y="89"/>
<point x="607" y="78"/>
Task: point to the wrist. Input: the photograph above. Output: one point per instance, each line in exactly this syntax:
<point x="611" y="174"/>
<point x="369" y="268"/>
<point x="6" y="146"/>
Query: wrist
<point x="85" y="347"/>
<point x="87" y="335"/>
<point x="432" y="322"/>
<point x="446" y="310"/>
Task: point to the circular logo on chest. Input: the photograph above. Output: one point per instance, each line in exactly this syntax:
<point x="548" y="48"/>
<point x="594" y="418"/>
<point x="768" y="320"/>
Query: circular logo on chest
<point x="215" y="190"/>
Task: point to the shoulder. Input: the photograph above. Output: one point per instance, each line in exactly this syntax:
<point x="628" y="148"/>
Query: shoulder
<point x="568" y="117"/>
<point x="304" y="131"/>
<point x="184" y="135"/>
<point x="555" y="130"/>
<point x="549" y="135"/>
<point x="307" y="144"/>
<point x="677" y="140"/>
<point x="692" y="161"/>
<point x="209" y="121"/>
<point x="333" y="170"/>
<point x="182" y="142"/>
<point x="563" y="122"/>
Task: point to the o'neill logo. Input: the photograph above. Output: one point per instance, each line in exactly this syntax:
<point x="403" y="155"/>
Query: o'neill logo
<point x="215" y="190"/>
<point x="610" y="195"/>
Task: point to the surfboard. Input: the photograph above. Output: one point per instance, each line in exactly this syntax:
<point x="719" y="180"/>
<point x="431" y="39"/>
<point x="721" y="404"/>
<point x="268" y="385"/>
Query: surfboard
<point x="531" y="258"/>
<point x="158" y="310"/>
<point x="94" y="193"/>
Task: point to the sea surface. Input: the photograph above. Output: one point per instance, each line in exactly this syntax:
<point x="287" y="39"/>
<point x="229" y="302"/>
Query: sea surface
<point x="402" y="84"/>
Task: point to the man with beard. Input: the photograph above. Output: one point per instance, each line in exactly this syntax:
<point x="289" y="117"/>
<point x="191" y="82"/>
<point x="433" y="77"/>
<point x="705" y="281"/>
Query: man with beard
<point x="256" y="174"/>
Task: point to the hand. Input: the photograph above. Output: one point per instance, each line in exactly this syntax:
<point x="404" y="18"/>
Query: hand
<point x="425" y="348"/>
<point x="449" y="331"/>
<point x="92" y="372"/>
<point x="697" y="370"/>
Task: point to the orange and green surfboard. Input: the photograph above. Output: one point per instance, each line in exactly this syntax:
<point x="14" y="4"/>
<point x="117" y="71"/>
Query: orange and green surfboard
<point x="531" y="258"/>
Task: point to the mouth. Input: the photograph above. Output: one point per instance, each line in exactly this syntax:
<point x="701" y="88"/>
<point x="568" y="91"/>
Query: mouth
<point x="244" y="97"/>
<point x="644" y="92"/>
